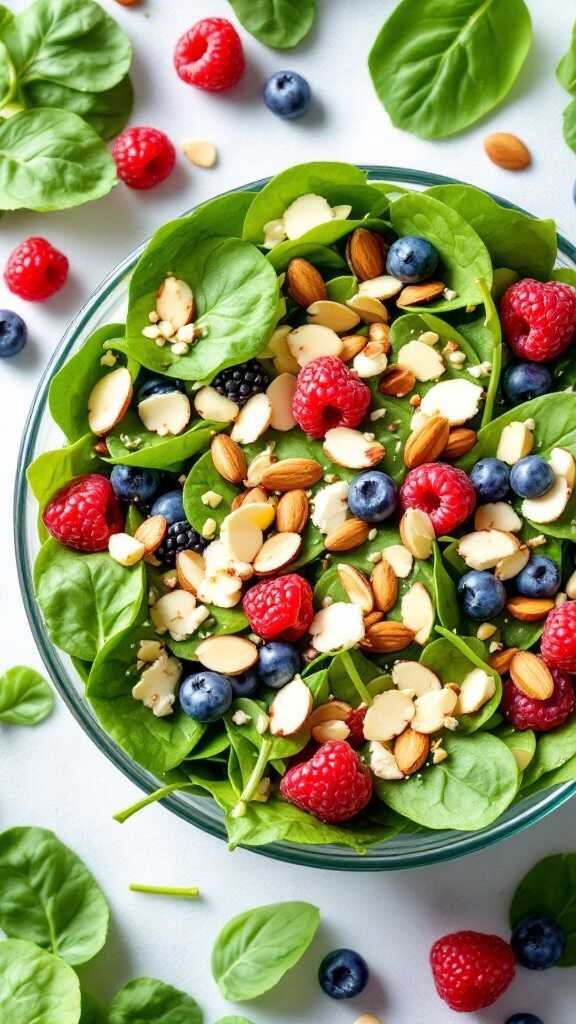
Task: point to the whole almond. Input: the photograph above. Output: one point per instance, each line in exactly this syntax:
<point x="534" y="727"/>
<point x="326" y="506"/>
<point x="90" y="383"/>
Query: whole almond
<point x="352" y="344"/>
<point x="387" y="637"/>
<point x="397" y="382"/>
<point x="292" y="512"/>
<point x="151" y="533"/>
<point x="349" y="535"/>
<point x="529" y="673"/>
<point x="411" y="751"/>
<point x="529" y="609"/>
<point x="365" y="254"/>
<point x="384" y="583"/>
<point x="305" y="284"/>
<point x="426" y="444"/>
<point x="500" y="660"/>
<point x="460" y="441"/>
<point x="415" y="294"/>
<point x="228" y="458"/>
<point x="507" y="151"/>
<point x="292" y="474"/>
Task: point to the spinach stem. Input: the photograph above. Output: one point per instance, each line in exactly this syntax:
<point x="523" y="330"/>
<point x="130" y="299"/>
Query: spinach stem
<point x="352" y="671"/>
<point x="190" y="893"/>
<point x="152" y="798"/>
<point x="255" y="779"/>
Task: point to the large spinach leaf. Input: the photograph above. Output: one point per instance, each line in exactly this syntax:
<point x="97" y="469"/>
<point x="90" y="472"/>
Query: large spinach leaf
<point x="70" y="388"/>
<point x="146" y="999"/>
<point x="277" y="23"/>
<point x="106" y="112"/>
<point x="326" y="260"/>
<point x="51" y="470"/>
<point x="25" y="697"/>
<point x="130" y="444"/>
<point x="550" y="889"/>
<point x="36" y="986"/>
<point x="553" y="750"/>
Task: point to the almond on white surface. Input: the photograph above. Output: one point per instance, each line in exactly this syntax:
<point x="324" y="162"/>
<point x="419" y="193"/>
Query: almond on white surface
<point x="231" y="655"/>
<point x="351" y="449"/>
<point x="382" y="762"/>
<point x="432" y="709"/>
<point x="125" y="549"/>
<point x="165" y="415"/>
<point x="483" y="549"/>
<point x="336" y="315"/>
<point x="457" y="400"/>
<point x="109" y="400"/>
<point x="476" y="689"/>
<point x="549" y="507"/>
<point x="516" y="441"/>
<point x="497" y="515"/>
<point x="241" y="531"/>
<point x="330" y="506"/>
<point x="277" y="552"/>
<point x="280" y="395"/>
<point x="156" y="687"/>
<point x="422" y="360"/>
<point x="290" y="708"/>
<point x="418" y="613"/>
<point x="175" y="302"/>
<point x="177" y="613"/>
<point x="400" y="558"/>
<point x="200" y="152"/>
<point x="211" y="405"/>
<point x="388" y="715"/>
<point x="305" y="213"/>
<point x="412" y="676"/>
<point x="311" y="341"/>
<point x="252" y="420"/>
<point x="337" y="627"/>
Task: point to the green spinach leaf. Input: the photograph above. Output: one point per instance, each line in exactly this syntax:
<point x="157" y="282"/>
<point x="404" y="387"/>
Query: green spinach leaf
<point x="569" y="124"/>
<point x="36" y="986"/>
<point x="326" y="260"/>
<point x="146" y="999"/>
<point x="566" y="70"/>
<point x="454" y="657"/>
<point x="106" y="112"/>
<point x="550" y="889"/>
<point x="553" y="750"/>
<point x="280" y="24"/>
<point x="91" y="1013"/>
<point x="130" y="444"/>
<point x="70" y="388"/>
<point x="25" y="697"/>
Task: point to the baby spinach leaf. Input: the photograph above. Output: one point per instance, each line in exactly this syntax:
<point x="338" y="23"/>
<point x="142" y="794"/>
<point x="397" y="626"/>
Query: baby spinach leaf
<point x="550" y="889"/>
<point x="280" y="24"/>
<point x="445" y="596"/>
<point x="465" y="258"/>
<point x="452" y="658"/>
<point x="566" y="70"/>
<point x="52" y="160"/>
<point x="513" y="239"/>
<point x="47" y="895"/>
<point x="25" y="697"/>
<point x="557" y="777"/>
<point x="569" y="124"/>
<point x="565" y="274"/>
<point x="326" y="260"/>
<point x="493" y="328"/>
<point x="341" y="685"/>
<point x="91" y="1012"/>
<point x="342" y="288"/>
<point x="255" y="949"/>
<point x="431" y="55"/>
<point x="130" y="444"/>
<point x="6" y="17"/>
<point x="146" y="999"/>
<point x="522" y="742"/>
<point x="85" y="599"/>
<point x="70" y="388"/>
<point x="467" y="792"/>
<point x="325" y="234"/>
<point x="51" y="470"/>
<point x="502" y="279"/>
<point x="36" y="986"/>
<point x="553" y="750"/>
<point x="106" y="112"/>
<point x="233" y="1020"/>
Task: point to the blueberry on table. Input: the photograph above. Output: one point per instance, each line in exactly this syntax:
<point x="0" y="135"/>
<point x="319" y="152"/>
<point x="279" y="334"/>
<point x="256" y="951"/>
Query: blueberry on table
<point x="278" y="663"/>
<point x="239" y="383"/>
<point x="13" y="333"/>
<point x="538" y="942"/>
<point x="483" y="596"/>
<point x="287" y="94"/>
<point x="524" y="381"/>
<point x="133" y="484"/>
<point x="372" y="496"/>
<point x="412" y="259"/>
<point x="171" y="506"/>
<point x="179" y="537"/>
<point x="539" y="578"/>
<point x="158" y="386"/>
<point x="524" y="1018"/>
<point x="491" y="479"/>
<point x="531" y="477"/>
<point x="246" y="685"/>
<point x="343" y="974"/>
<point x="206" y="696"/>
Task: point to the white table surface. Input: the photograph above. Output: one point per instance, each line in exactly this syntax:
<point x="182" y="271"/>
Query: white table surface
<point x="53" y="776"/>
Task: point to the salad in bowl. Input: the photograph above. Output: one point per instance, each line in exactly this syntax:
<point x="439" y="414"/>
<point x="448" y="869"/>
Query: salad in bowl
<point x="309" y="542"/>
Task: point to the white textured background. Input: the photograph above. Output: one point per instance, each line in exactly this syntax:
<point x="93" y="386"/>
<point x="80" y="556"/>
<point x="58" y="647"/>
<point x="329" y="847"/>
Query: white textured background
<point x="53" y="776"/>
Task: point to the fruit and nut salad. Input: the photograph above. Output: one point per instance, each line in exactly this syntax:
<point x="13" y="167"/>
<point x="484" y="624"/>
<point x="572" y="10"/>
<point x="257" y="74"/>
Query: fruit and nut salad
<point x="309" y="543"/>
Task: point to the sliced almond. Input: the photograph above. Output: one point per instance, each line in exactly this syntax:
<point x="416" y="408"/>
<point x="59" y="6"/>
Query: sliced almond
<point x="177" y="613"/>
<point x="422" y="360"/>
<point x="357" y="587"/>
<point x="388" y="716"/>
<point x="551" y="505"/>
<point x="372" y="360"/>
<point x="292" y="512"/>
<point x="175" y="302"/>
<point x="509" y="567"/>
<point x="228" y="458"/>
<point x="109" y="400"/>
<point x="311" y="341"/>
<point x="335" y="315"/>
<point x="337" y="627"/>
<point x="222" y="589"/>
<point x="400" y="558"/>
<point x="218" y="558"/>
<point x="290" y="708"/>
<point x="397" y="382"/>
<point x="151" y="533"/>
<point x="276" y="553"/>
<point x="253" y="495"/>
<point x="253" y="420"/>
<point x="125" y="549"/>
<point x="365" y="254"/>
<point x="167" y="414"/>
<point x="305" y="284"/>
<point x="418" y="612"/>
<point x="416" y="294"/>
<point x="383" y="765"/>
<point x="412" y="676"/>
<point x="384" y="585"/>
<point x="484" y="549"/>
<point x="476" y="689"/>
<point x="348" y="536"/>
<point x="200" y="152"/>
<point x="157" y="685"/>
<point x="460" y="441"/>
<point x="330" y="731"/>
<point x="411" y="751"/>
<point x="457" y="400"/>
<point x="370" y="311"/>
<point x="516" y="441"/>
<point x="305" y="213"/>
<point x="351" y="449"/>
<point x="280" y="395"/>
<point x="241" y="531"/>
<point x="352" y="344"/>
<point x="427" y="443"/>
<point x="387" y="638"/>
<point x="211" y="405"/>
<point x="529" y="609"/>
<point x="432" y="709"/>
<point x="563" y="464"/>
<point x="417" y="533"/>
<point x="191" y="568"/>
<point x="332" y="711"/>
<point x="500" y="661"/>
<point x="258" y="466"/>
<point x="330" y="506"/>
<point x="291" y="474"/>
<point x="531" y="675"/>
<point x="284" y="361"/>
<point x="383" y="287"/>
<point x="497" y="515"/>
<point x="507" y="151"/>
<point x="231" y="655"/>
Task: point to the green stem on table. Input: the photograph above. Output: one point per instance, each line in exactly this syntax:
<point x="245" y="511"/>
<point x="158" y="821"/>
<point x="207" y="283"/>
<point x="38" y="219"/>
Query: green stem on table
<point x="191" y="893"/>
<point x="359" y="685"/>
<point x="153" y="798"/>
<point x="255" y="779"/>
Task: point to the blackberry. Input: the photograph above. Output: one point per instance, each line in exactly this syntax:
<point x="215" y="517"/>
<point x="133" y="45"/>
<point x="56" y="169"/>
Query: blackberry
<point x="179" y="537"/>
<point x="239" y="383"/>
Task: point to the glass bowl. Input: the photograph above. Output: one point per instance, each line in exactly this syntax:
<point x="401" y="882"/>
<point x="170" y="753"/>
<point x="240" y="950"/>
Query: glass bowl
<point x="108" y="304"/>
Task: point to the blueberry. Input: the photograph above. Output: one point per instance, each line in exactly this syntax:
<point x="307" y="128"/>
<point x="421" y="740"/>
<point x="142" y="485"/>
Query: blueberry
<point x="246" y="685"/>
<point x="483" y="596"/>
<point x="287" y="94"/>
<point x="158" y="386"/>
<point x="491" y="479"/>
<point x="343" y="974"/>
<point x="538" y="942"/>
<point x="526" y="380"/>
<point x="130" y="483"/>
<point x="206" y="696"/>
<point x="524" y="1018"/>
<point x="278" y="663"/>
<point x="412" y="259"/>
<point x="13" y="333"/>
<point x="531" y="477"/>
<point x="372" y="496"/>
<point x="171" y="506"/>
<point x="539" y="578"/>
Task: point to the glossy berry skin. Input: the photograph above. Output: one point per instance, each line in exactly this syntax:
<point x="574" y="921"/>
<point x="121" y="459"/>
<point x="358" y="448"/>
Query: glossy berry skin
<point x="329" y="395"/>
<point x="524" y="381"/>
<point x="412" y="259"/>
<point x="471" y="970"/>
<point x="239" y="383"/>
<point x="13" y="333"/>
<point x="539" y="578"/>
<point x="287" y="94"/>
<point x="180" y="536"/>
<point x="278" y="663"/>
<point x="355" y="722"/>
<point x="540" y="715"/>
<point x="373" y="496"/>
<point x="482" y="595"/>
<point x="538" y="942"/>
<point x="343" y="974"/>
<point x="491" y="479"/>
<point x="280" y="609"/>
<point x="210" y="55"/>
<point x="138" y="486"/>
<point x="158" y="386"/>
<point x="531" y="477"/>
<point x="144" y="157"/>
<point x="334" y="785"/>
<point x="171" y="506"/>
<point x="443" y="492"/>
<point x="538" y="320"/>
<point x="206" y="696"/>
<point x="558" y="644"/>
<point x="36" y="270"/>
<point x="524" y="1018"/>
<point x="246" y="685"/>
<point x="84" y="514"/>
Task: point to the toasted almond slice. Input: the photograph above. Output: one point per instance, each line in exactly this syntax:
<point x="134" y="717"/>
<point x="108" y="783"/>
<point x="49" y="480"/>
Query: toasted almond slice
<point x="330" y="731"/>
<point x="190" y="567"/>
<point x="276" y="553"/>
<point x="418" y="612"/>
<point x="416" y="294"/>
<point x="509" y="567"/>
<point x="125" y="549"/>
<point x="200" y="152"/>
<point x="312" y="341"/>
<point x="352" y="344"/>
<point x="219" y="559"/>
<point x="497" y="515"/>
<point x="384" y="585"/>
<point x="231" y="655"/>
<point x="383" y="287"/>
<point x="500" y="661"/>
<point x="330" y="507"/>
<point x="151" y="533"/>
<point x="348" y="536"/>
<point x="280" y="395"/>
<point x="305" y="213"/>
<point x="337" y="627"/>
<point x="411" y="751"/>
<point x="461" y="440"/>
<point x="332" y="711"/>
<point x="551" y="505"/>
<point x="370" y="310"/>
<point x="529" y="609"/>
<point x="457" y="400"/>
<point x="383" y="765"/>
<point x="422" y="360"/>
<point x="165" y="415"/>
<point x="357" y="586"/>
<point x="516" y="441"/>
<point x="417" y="533"/>
<point x="253" y="420"/>
<point x="292" y="512"/>
<point x="228" y="458"/>
<point x="531" y="675"/>
<point x="290" y="474"/>
<point x="336" y="315"/>
<point x="476" y="689"/>
<point x="433" y="708"/>
<point x="400" y="559"/>
<point x="411" y="675"/>
<point x="484" y="549"/>
<point x="388" y="715"/>
<point x="351" y="449"/>
<point x="178" y="614"/>
<point x="241" y="531"/>
<point x="175" y="302"/>
<point x="211" y="405"/>
<point x="109" y="400"/>
<point x="563" y="464"/>
<point x="290" y="708"/>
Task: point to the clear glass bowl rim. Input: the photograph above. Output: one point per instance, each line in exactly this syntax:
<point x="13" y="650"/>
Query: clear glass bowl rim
<point x="429" y="848"/>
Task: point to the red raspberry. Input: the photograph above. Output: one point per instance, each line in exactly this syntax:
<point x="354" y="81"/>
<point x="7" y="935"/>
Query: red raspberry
<point x="84" y="514"/>
<point x="333" y="786"/>
<point x="443" y="492"/>
<point x="36" y="270"/>
<point x="210" y="55"/>
<point x="280" y="609"/>
<point x="471" y="970"/>
<point x="144" y="157"/>
<point x="355" y="723"/>
<point x="558" y="644"/>
<point x="540" y="715"/>
<point x="539" y="320"/>
<point x="328" y="395"/>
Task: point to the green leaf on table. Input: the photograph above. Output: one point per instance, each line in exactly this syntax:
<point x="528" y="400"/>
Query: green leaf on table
<point x="106" y="112"/>
<point x="36" y="986"/>
<point x="550" y="889"/>
<point x="280" y="24"/>
<point x="569" y="124"/>
<point x="25" y="697"/>
<point x="255" y="949"/>
<point x="48" y="896"/>
<point x="148" y="1000"/>
<point x="566" y="70"/>
<point x="70" y="388"/>
<point x="431" y="56"/>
